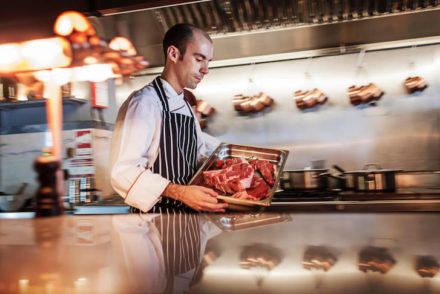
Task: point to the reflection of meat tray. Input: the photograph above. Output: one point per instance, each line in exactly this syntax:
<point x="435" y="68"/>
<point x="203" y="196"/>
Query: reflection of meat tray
<point x="224" y="150"/>
<point x="241" y="221"/>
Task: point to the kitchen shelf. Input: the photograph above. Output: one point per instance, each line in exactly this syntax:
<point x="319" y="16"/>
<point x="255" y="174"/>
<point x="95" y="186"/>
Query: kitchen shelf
<point x="38" y="103"/>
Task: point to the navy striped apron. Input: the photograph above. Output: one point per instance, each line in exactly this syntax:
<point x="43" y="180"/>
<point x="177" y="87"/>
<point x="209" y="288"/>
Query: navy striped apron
<point x="177" y="158"/>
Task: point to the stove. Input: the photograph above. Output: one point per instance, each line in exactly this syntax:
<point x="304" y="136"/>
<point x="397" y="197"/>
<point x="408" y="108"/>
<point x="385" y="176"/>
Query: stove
<point x="305" y="196"/>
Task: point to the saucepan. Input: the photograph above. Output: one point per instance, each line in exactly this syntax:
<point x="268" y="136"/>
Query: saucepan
<point x="372" y="178"/>
<point x="311" y="180"/>
<point x="307" y="179"/>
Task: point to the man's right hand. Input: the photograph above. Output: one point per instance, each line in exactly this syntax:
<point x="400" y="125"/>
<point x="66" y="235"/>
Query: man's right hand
<point x="197" y="197"/>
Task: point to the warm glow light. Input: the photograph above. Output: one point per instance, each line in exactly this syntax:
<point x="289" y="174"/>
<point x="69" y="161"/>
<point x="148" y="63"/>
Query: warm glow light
<point x="122" y="44"/>
<point x="46" y="53"/>
<point x="43" y="75"/>
<point x="90" y="60"/>
<point x="23" y="282"/>
<point x="61" y="76"/>
<point x="94" y="73"/>
<point x="23" y="286"/>
<point x="80" y="283"/>
<point x="63" y="26"/>
<point x="9" y="56"/>
<point x="35" y="55"/>
<point x="70" y="21"/>
<point x="58" y="76"/>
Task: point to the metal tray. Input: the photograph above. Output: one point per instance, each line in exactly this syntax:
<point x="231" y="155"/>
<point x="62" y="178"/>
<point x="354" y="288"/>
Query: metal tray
<point x="224" y="150"/>
<point x="241" y="221"/>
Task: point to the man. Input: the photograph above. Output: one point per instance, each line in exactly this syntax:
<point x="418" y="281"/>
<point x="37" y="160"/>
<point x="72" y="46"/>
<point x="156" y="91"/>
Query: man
<point x="157" y="141"/>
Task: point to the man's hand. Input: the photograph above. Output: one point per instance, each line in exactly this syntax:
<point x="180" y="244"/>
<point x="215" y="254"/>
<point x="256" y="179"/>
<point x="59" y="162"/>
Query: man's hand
<point x="196" y="197"/>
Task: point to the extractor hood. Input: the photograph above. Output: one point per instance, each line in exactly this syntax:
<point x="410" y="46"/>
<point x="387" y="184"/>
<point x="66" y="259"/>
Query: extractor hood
<point x="245" y="28"/>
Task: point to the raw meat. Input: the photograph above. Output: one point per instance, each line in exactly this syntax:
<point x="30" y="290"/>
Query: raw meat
<point x="257" y="191"/>
<point x="232" y="179"/>
<point x="266" y="169"/>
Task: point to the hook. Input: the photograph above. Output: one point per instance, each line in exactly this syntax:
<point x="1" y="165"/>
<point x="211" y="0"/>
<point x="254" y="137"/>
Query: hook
<point x="360" y="58"/>
<point x="252" y="70"/>
<point x="412" y="62"/>
<point x="307" y="75"/>
<point x="309" y="63"/>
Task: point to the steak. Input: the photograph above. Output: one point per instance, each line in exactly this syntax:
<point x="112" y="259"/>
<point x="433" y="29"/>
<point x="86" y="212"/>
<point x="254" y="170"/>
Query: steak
<point x="266" y="169"/>
<point x="257" y="191"/>
<point x="232" y="179"/>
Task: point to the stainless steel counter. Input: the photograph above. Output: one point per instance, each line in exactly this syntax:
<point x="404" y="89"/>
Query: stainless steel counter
<point x="236" y="253"/>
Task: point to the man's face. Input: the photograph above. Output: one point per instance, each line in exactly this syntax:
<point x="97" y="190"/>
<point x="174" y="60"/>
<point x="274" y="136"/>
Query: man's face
<point x="194" y="65"/>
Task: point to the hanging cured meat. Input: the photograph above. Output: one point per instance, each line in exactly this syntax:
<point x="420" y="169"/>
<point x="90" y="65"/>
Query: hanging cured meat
<point x="249" y="104"/>
<point x="201" y="108"/>
<point x="309" y="99"/>
<point x="364" y="94"/>
<point x="414" y="84"/>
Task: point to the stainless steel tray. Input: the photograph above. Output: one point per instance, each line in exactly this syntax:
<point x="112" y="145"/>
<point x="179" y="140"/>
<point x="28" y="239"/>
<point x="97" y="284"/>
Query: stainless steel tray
<point x="241" y="221"/>
<point x="276" y="156"/>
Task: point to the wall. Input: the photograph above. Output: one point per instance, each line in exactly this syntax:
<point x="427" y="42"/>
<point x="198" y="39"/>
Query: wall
<point x="24" y="133"/>
<point x="402" y="131"/>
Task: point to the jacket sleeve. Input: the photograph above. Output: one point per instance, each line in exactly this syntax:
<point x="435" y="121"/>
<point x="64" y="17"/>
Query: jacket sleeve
<point x="135" y="144"/>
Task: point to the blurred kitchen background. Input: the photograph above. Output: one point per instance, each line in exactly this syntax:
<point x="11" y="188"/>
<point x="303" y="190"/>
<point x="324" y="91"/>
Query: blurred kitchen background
<point x="275" y="47"/>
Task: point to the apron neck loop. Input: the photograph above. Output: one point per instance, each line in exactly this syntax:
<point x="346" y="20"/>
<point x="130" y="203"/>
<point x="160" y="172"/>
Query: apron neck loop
<point x="157" y="83"/>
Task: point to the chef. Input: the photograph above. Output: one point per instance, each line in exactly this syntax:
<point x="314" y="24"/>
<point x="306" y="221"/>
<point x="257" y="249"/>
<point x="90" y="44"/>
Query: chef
<point x="157" y="142"/>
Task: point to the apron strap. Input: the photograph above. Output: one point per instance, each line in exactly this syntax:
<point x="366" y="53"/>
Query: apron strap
<point x="157" y="83"/>
<point x="190" y="110"/>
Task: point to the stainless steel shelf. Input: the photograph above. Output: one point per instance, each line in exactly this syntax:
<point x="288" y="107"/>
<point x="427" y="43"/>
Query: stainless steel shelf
<point x="38" y="103"/>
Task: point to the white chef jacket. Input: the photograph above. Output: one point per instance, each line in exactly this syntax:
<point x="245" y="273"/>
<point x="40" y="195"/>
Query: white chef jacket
<point x="135" y="145"/>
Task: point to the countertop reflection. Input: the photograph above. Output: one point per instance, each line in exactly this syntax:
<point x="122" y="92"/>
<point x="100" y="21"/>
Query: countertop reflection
<point x="222" y="253"/>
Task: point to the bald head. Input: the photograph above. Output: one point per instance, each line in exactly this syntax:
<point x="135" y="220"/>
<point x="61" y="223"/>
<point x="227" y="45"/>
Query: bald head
<point x="179" y="36"/>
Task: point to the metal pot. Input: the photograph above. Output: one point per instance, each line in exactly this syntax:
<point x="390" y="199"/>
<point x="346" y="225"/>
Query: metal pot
<point x="335" y="182"/>
<point x="308" y="179"/>
<point x="371" y="179"/>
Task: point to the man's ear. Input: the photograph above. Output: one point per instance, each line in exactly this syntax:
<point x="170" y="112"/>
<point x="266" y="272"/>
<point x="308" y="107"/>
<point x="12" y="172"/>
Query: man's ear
<point x="173" y="53"/>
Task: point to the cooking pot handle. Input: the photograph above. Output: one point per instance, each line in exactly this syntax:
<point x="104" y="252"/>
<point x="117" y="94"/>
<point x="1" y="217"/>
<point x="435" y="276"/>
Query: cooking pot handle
<point x="338" y="168"/>
<point x="372" y="166"/>
<point x="324" y="174"/>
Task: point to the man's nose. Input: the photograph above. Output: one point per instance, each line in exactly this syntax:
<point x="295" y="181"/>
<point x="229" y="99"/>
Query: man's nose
<point x="204" y="69"/>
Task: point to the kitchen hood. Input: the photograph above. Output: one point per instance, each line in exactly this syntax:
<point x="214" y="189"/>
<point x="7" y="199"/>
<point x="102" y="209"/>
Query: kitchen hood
<point x="249" y="28"/>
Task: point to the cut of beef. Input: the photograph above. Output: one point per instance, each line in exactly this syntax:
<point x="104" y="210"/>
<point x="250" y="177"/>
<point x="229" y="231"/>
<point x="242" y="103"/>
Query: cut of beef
<point x="232" y="179"/>
<point x="266" y="169"/>
<point x="257" y="191"/>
